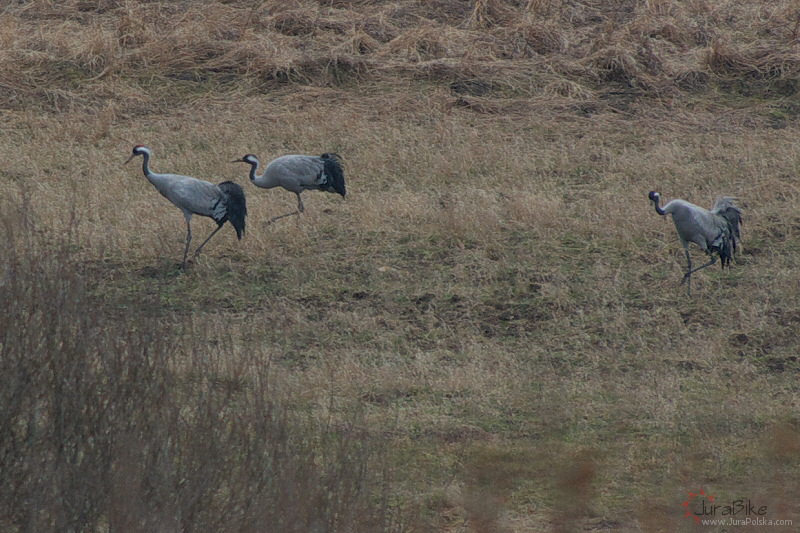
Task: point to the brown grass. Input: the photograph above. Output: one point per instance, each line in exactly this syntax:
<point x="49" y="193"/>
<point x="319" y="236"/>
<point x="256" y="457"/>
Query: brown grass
<point x="488" y="335"/>
<point x="84" y="55"/>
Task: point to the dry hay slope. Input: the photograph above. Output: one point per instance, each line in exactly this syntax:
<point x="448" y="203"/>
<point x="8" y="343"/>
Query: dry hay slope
<point x="78" y="53"/>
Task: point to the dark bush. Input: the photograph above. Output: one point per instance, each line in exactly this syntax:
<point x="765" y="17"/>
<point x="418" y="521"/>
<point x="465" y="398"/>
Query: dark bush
<point x="125" y="423"/>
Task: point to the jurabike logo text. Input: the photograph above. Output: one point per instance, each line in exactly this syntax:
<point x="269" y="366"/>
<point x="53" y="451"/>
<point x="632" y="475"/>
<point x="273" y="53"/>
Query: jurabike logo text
<point x="700" y="505"/>
<point x="737" y="507"/>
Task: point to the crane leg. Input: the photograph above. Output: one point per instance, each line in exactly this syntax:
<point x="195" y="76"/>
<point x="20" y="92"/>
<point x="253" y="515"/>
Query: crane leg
<point x="197" y="252"/>
<point x="688" y="276"/>
<point x="300" y="209"/>
<point x="273" y="219"/>
<point x="713" y="260"/>
<point x="188" y="240"/>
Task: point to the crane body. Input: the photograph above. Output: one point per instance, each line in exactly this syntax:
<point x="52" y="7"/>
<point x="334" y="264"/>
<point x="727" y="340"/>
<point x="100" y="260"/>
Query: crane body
<point x="223" y="203"/>
<point x="715" y="231"/>
<point x="298" y="173"/>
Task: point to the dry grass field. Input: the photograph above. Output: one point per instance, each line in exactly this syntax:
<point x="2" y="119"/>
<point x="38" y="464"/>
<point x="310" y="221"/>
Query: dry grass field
<point x="489" y="333"/>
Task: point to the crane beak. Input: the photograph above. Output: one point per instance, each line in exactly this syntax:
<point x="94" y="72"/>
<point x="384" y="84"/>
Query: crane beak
<point x="129" y="159"/>
<point x="238" y="161"/>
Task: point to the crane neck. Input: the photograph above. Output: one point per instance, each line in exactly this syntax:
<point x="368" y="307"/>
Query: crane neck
<point x="658" y="209"/>
<point x="146" y="164"/>
<point x="266" y="180"/>
<point x="158" y="180"/>
<point x="253" y="168"/>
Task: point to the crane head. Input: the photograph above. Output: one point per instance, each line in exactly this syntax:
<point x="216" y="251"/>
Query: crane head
<point x="139" y="149"/>
<point x="654" y="196"/>
<point x="249" y="158"/>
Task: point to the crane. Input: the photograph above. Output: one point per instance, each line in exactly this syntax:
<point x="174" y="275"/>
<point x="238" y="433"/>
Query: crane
<point x="224" y="202"/>
<point x="715" y="231"/>
<point x="298" y="173"/>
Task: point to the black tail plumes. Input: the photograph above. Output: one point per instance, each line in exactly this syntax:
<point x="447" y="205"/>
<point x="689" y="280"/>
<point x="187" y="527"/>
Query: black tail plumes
<point x="725" y="208"/>
<point x="333" y="169"/>
<point x="725" y="249"/>
<point x="236" y="206"/>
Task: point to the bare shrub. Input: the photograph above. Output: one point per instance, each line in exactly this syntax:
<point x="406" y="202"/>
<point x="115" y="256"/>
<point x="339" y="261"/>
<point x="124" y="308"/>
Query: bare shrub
<point x="131" y="423"/>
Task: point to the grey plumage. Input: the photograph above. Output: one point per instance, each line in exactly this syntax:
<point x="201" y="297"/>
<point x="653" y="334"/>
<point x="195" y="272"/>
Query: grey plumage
<point x="298" y="173"/>
<point x="715" y="231"/>
<point x="224" y="202"/>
